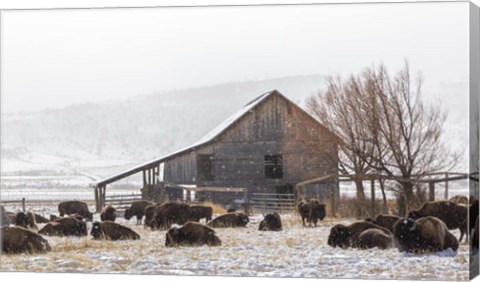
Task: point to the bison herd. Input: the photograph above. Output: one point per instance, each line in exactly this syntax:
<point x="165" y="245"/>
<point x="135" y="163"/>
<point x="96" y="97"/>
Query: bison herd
<point x="424" y="230"/>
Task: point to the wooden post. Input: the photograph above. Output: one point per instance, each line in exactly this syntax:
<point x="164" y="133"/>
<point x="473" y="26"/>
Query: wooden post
<point x="446" y="186"/>
<point x="332" y="191"/>
<point x="245" y="201"/>
<point x="23" y="204"/>
<point x="97" y="204"/>
<point x="431" y="188"/>
<point x="372" y="189"/>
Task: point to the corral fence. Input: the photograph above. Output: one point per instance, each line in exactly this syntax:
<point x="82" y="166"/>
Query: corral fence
<point x="272" y="202"/>
<point x="15" y="204"/>
<point x="122" y="201"/>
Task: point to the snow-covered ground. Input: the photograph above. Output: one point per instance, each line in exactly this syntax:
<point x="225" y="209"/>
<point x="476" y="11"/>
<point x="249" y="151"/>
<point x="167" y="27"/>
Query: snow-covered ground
<point x="296" y="251"/>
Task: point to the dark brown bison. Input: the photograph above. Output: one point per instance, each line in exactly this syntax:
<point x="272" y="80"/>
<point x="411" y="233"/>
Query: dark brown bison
<point x="303" y="209"/>
<point x="137" y="209"/>
<point x="229" y="220"/>
<point x="199" y="212"/>
<point x="170" y="213"/>
<point x="424" y="235"/>
<point x="192" y="234"/>
<point x="65" y="226"/>
<point x="459" y="199"/>
<point x="385" y="221"/>
<point x="348" y="236"/>
<point x="40" y="219"/>
<point x="375" y="238"/>
<point x="271" y="222"/>
<point x="108" y="213"/>
<point x="16" y="240"/>
<point x="149" y="211"/>
<point x="109" y="230"/>
<point x="453" y="215"/>
<point x="317" y="211"/>
<point x="71" y="207"/>
<point x="26" y="220"/>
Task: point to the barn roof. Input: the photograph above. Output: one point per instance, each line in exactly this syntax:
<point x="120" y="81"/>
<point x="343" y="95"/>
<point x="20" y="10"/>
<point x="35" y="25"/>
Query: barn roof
<point x="209" y="137"/>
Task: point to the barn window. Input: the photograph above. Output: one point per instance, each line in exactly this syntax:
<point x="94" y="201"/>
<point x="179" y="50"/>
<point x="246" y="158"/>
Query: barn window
<point x="204" y="167"/>
<point x="273" y="166"/>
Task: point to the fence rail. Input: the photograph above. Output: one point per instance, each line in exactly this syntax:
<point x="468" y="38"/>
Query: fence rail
<point x="267" y="202"/>
<point x="122" y="201"/>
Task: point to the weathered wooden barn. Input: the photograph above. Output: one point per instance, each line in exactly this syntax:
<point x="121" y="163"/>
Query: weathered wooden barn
<point x="268" y="146"/>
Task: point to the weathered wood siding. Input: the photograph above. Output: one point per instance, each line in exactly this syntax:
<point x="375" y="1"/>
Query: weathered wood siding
<point x="274" y="127"/>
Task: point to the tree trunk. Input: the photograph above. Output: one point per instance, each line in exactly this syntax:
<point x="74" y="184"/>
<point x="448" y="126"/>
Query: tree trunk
<point x="409" y="197"/>
<point x="360" y="190"/>
<point x="384" y="196"/>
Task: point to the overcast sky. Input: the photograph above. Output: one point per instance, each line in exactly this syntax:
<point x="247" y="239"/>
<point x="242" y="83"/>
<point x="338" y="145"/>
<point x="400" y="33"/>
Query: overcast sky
<point x="53" y="58"/>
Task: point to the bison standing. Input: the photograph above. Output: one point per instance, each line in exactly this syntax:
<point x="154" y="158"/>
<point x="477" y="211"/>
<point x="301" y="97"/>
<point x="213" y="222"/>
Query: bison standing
<point x="229" y="220"/>
<point x="453" y="215"/>
<point x="26" y="220"/>
<point x="271" y="222"/>
<point x="424" y="235"/>
<point x="312" y="211"/>
<point x="71" y="207"/>
<point x="109" y="230"/>
<point x="16" y="240"/>
<point x="170" y="213"/>
<point x="137" y="209"/>
<point x="192" y="234"/>
<point x="199" y="212"/>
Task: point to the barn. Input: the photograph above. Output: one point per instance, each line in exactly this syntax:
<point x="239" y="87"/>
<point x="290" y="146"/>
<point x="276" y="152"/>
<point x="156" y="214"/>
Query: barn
<point x="267" y="146"/>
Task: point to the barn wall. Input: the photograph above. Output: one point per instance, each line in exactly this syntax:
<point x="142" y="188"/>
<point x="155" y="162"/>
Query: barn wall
<point x="273" y="127"/>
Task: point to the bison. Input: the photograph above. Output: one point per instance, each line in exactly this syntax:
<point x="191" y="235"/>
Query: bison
<point x="149" y="211"/>
<point x="348" y="236"/>
<point x="192" y="234"/>
<point x="271" y="222"/>
<point x="170" y="213"/>
<point x="317" y="211"/>
<point x="16" y="240"/>
<point x="65" y="226"/>
<point x="473" y="214"/>
<point x="385" y="221"/>
<point x="475" y="236"/>
<point x="108" y="213"/>
<point x="137" y="209"/>
<point x="375" y="238"/>
<point x="229" y="220"/>
<point x="303" y="209"/>
<point x="453" y="215"/>
<point x="424" y="235"/>
<point x="109" y="230"/>
<point x="199" y="212"/>
<point x="26" y="220"/>
<point x="71" y="207"/>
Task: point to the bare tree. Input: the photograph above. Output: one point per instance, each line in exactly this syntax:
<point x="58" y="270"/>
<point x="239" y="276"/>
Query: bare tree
<point x="386" y="127"/>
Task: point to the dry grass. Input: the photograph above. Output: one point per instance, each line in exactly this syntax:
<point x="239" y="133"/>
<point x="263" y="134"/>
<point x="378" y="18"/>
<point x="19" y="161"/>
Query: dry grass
<point x="216" y="209"/>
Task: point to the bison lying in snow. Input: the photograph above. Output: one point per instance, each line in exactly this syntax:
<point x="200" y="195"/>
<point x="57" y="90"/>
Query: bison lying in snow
<point x="108" y="213"/>
<point x="192" y="234"/>
<point x="375" y="238"/>
<point x="170" y="213"/>
<point x="453" y="215"/>
<point x="229" y="220"/>
<point x="459" y="199"/>
<point x="65" y="226"/>
<point x="424" y="235"/>
<point x="71" y="207"/>
<point x="348" y="236"/>
<point x="199" y="212"/>
<point x="385" y="221"/>
<point x="137" y="209"/>
<point x="16" y="240"/>
<point x="312" y="211"/>
<point x="26" y="220"/>
<point x="109" y="230"/>
<point x="271" y="222"/>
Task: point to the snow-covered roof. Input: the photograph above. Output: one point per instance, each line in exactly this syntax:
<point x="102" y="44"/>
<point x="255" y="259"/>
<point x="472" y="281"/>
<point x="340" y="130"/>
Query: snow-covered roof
<point x="209" y="137"/>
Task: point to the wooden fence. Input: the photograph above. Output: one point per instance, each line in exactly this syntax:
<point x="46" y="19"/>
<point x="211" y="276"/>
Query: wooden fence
<point x="122" y="201"/>
<point x="270" y="202"/>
